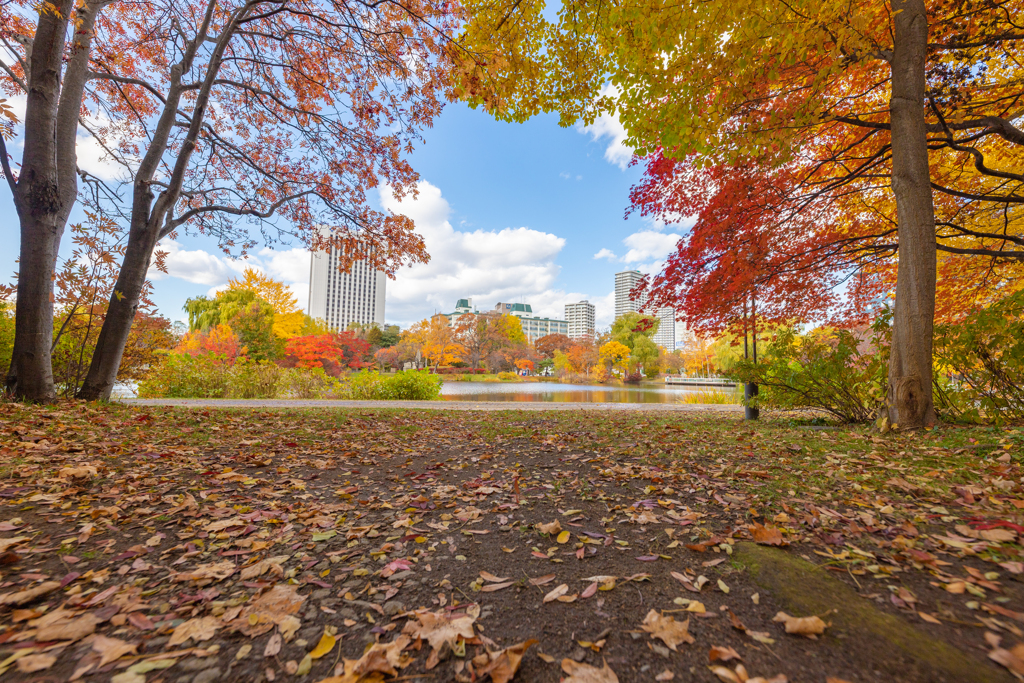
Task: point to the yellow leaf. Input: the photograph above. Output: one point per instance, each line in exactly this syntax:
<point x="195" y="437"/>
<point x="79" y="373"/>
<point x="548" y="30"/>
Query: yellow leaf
<point x="325" y="645"/>
<point x="563" y="537"/>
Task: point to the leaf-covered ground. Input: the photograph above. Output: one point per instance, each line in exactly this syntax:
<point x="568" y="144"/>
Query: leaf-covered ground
<point x="201" y="545"/>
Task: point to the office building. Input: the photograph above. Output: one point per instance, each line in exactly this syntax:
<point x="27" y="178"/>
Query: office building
<point x="580" y="318"/>
<point x="341" y="298"/>
<point x="624" y="282"/>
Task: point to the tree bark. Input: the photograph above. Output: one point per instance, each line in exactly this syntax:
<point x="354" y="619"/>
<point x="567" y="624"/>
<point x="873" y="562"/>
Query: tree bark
<point x="48" y="186"/>
<point x="910" y="366"/>
<point x="38" y="200"/>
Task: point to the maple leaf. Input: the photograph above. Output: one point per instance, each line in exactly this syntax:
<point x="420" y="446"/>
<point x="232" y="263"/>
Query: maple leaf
<point x="801" y="626"/>
<point x="502" y="665"/>
<point x="669" y="630"/>
<point x="584" y="673"/>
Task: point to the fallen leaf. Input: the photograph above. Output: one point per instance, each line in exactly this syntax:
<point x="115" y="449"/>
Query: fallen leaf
<point x="6" y="543"/>
<point x="269" y="609"/>
<point x="208" y="573"/>
<point x="379" y="659"/>
<point x="557" y="592"/>
<point x="440" y="629"/>
<point x="504" y="663"/>
<point x="200" y="628"/>
<point x="722" y="654"/>
<point x="325" y="645"/>
<point x="68" y="628"/>
<point x="491" y="587"/>
<point x="541" y="580"/>
<point x="29" y="594"/>
<point x="550" y="528"/>
<point x="32" y="663"/>
<point x="801" y="626"/>
<point x="670" y="631"/>
<point x="665" y="675"/>
<point x="767" y="535"/>
<point x="111" y="649"/>
<point x="273" y="645"/>
<point x="487" y="576"/>
<point x="563" y="537"/>
<point x="584" y="673"/>
<point x="928" y="617"/>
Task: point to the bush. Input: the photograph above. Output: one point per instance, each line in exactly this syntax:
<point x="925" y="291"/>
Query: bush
<point x="823" y="370"/>
<point x="632" y="377"/>
<point x="254" y="379"/>
<point x="180" y="375"/>
<point x="979" y="363"/>
<point x="402" y="386"/>
<point x="312" y="383"/>
<point x="507" y="376"/>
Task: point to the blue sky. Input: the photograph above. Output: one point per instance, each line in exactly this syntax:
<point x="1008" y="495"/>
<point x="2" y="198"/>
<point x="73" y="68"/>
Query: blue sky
<point x="509" y="212"/>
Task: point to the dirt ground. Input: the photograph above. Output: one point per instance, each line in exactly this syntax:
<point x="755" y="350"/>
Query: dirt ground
<point x="199" y="545"/>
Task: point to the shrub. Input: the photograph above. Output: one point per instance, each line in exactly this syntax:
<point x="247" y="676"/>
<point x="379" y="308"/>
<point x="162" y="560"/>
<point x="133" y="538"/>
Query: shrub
<point x="312" y="383"/>
<point x="254" y="379"/>
<point x="181" y="375"/>
<point x="402" y="386"/>
<point x="632" y="377"/>
<point x="822" y="370"/>
<point x="980" y="363"/>
<point x="507" y="376"/>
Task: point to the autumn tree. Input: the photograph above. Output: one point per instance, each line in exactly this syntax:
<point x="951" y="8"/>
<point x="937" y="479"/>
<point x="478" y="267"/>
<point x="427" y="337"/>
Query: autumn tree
<point x="288" y="319"/>
<point x="548" y="344"/>
<point x="224" y="115"/>
<point x="613" y="353"/>
<point x="908" y="74"/>
<point x="437" y="341"/>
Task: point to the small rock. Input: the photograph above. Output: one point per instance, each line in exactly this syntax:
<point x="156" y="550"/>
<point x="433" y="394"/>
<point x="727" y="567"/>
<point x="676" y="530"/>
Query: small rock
<point x="579" y="654"/>
<point x="393" y="607"/>
<point x="208" y="676"/>
<point x="398" y="576"/>
<point x="663" y="651"/>
<point x="636" y="636"/>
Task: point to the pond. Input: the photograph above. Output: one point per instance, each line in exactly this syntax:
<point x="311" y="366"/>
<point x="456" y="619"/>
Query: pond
<point x="566" y="393"/>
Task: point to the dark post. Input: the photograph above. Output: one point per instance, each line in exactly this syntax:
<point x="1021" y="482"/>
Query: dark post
<point x="750" y="388"/>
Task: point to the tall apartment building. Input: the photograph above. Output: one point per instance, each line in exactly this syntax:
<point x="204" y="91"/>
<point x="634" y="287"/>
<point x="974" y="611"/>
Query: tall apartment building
<point x="666" y="334"/>
<point x="341" y="298"/>
<point x="581" y="320"/>
<point x="624" y="282"/>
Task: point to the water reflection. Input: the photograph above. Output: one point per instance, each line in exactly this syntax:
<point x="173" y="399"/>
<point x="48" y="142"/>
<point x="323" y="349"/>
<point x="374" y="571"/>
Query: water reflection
<point x="562" y="393"/>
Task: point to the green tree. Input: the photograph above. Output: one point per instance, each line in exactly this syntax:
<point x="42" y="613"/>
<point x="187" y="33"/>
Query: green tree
<point x="633" y="327"/>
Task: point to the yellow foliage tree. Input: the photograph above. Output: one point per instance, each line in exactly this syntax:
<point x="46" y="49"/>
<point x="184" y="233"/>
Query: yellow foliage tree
<point x="614" y="353"/>
<point x="288" y="319"/>
<point x="437" y="341"/>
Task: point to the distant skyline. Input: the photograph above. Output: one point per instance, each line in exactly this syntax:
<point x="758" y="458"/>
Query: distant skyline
<point x="509" y="212"/>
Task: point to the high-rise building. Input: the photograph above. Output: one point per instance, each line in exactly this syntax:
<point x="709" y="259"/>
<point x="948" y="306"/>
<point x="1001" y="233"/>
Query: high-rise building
<point x="581" y="320"/>
<point x="666" y="334"/>
<point x="341" y="298"/>
<point x="624" y="282"/>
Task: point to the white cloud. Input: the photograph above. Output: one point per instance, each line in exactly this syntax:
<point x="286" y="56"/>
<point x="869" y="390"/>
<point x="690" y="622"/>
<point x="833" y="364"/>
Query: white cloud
<point x="198" y="266"/>
<point x="512" y="264"/>
<point x="649" y="244"/>
<point x="608" y="126"/>
<point x="606" y="254"/>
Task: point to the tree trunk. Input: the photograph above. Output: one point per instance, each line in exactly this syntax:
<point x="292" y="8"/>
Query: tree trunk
<point x="117" y="324"/>
<point x="910" y="366"/>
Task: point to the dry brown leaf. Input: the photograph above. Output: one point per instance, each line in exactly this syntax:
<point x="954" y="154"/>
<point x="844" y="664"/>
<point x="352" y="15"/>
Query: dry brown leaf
<point x="557" y="592"/>
<point x="200" y="628"/>
<point x="665" y="675"/>
<point x="1011" y="659"/>
<point x="7" y="543"/>
<point x="491" y="587"/>
<point x="273" y="645"/>
<point x="670" y="631"/>
<point x="487" y="576"/>
<point x="998" y="535"/>
<point x="208" y="573"/>
<point x="29" y="594"/>
<point x="271" y="564"/>
<point x="801" y="626"/>
<point x="767" y="535"/>
<point x="551" y="528"/>
<point x="541" y="580"/>
<point x="440" y="629"/>
<point x="269" y="610"/>
<point x="722" y="654"/>
<point x="504" y="663"/>
<point x="584" y="673"/>
<point x="68" y="628"/>
<point x="373" y="665"/>
<point x="32" y="663"/>
<point x="111" y="649"/>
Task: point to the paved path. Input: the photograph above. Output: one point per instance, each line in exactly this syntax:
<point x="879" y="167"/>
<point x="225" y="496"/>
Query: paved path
<point x="429" y="405"/>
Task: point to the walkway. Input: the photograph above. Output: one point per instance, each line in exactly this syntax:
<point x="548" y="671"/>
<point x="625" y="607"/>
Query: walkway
<point x="430" y="405"/>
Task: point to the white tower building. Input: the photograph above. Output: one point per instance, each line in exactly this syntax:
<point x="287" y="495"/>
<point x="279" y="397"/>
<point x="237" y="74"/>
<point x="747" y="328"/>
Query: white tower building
<point x="624" y="282"/>
<point x="341" y="298"/>
<point x="666" y="334"/>
<point x="581" y="320"/>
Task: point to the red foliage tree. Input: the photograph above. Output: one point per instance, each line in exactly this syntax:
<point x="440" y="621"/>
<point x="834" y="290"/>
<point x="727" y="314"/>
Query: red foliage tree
<point x="332" y="352"/>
